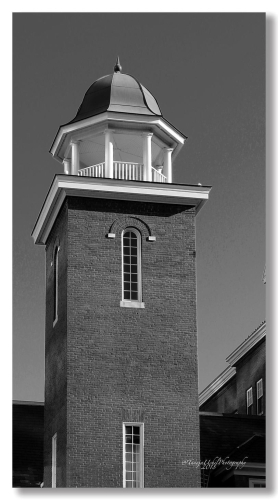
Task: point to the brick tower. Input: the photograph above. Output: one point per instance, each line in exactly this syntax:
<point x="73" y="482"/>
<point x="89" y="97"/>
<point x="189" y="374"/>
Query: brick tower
<point x="121" y="374"/>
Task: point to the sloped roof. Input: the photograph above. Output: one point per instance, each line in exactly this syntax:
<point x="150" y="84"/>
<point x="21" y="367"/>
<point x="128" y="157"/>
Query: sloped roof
<point x="245" y="347"/>
<point x="117" y="92"/>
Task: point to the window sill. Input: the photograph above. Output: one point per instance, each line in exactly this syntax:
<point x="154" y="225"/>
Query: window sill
<point x="132" y="303"/>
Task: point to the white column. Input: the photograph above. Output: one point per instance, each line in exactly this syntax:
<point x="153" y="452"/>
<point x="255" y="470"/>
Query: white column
<point x="74" y="157"/>
<point x="167" y="170"/>
<point x="147" y="156"/>
<point x="108" y="154"/>
<point x="66" y="163"/>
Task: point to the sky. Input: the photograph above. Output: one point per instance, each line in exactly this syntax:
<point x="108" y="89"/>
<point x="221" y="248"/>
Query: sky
<point x="207" y="72"/>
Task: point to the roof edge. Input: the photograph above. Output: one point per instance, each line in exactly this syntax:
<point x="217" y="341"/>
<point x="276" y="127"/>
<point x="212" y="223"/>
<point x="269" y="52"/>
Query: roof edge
<point x="247" y="344"/>
<point x="216" y="384"/>
<point x="71" y="185"/>
<point x="31" y="403"/>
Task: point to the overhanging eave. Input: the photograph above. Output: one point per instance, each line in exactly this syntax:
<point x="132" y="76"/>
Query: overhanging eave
<point x="140" y="191"/>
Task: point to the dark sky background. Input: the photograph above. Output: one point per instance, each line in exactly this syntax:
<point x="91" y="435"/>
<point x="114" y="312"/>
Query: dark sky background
<point x="207" y="72"/>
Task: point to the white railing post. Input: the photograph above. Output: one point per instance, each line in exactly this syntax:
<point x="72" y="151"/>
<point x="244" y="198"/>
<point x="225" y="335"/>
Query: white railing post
<point x="66" y="162"/>
<point x="121" y="170"/>
<point x="108" y="153"/>
<point x="168" y="164"/>
<point x="74" y="157"/>
<point x="147" y="156"/>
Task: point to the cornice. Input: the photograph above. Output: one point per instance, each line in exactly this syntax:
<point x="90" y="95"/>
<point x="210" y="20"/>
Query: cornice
<point x="29" y="403"/>
<point x="216" y="384"/>
<point x="71" y="185"/>
<point x="114" y="117"/>
<point x="245" y="347"/>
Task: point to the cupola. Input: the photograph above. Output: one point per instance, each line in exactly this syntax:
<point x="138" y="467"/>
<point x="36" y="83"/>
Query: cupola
<point x="118" y="132"/>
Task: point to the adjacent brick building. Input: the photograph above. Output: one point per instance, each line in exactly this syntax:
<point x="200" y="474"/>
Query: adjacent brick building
<point x="232" y="418"/>
<point x="240" y="388"/>
<point x="121" y="389"/>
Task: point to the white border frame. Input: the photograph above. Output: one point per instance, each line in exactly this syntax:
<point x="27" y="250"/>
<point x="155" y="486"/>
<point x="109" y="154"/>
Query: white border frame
<point x="141" y="425"/>
<point x="125" y="302"/>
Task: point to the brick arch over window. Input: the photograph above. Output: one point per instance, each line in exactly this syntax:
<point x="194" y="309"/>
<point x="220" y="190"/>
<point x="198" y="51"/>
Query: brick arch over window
<point x="121" y="223"/>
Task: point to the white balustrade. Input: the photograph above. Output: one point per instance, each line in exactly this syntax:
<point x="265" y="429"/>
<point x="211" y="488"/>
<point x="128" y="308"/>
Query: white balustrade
<point x="128" y="171"/>
<point x="157" y="176"/>
<point x="93" y="171"/>
<point x="122" y="170"/>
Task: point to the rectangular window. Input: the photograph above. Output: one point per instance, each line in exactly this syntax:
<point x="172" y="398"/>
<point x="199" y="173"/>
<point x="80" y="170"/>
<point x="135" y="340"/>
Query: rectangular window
<point x="249" y="404"/>
<point x="56" y="283"/>
<point x="131" y="265"/>
<point x="260" y="393"/>
<point x="133" y="459"/>
<point x="54" y="460"/>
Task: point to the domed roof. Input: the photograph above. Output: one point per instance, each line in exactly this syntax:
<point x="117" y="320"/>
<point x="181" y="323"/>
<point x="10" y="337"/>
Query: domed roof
<point x="117" y="92"/>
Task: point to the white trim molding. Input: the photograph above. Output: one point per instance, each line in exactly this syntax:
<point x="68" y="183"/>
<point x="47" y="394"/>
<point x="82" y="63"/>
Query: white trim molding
<point x="250" y="342"/>
<point x="138" y="283"/>
<point x="141" y="444"/>
<point x="132" y="303"/>
<point x="111" y="118"/>
<point x="118" y="189"/>
<point x="56" y="284"/>
<point x="259" y="396"/>
<point x="30" y="403"/>
<point x="216" y="384"/>
<point x="54" y="461"/>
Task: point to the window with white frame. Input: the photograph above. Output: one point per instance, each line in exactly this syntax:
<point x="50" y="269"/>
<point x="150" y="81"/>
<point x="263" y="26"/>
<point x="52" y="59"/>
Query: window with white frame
<point x="54" y="460"/>
<point x="55" y="285"/>
<point x="256" y="483"/>
<point x="249" y="401"/>
<point x="131" y="265"/>
<point x="260" y="393"/>
<point x="133" y="458"/>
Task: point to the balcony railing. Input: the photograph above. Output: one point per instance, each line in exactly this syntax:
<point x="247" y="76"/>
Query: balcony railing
<point x="157" y="176"/>
<point x="122" y="170"/>
<point x="128" y="171"/>
<point x="94" y="171"/>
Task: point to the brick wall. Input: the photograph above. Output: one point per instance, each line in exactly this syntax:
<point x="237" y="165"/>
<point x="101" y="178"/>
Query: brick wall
<point x="127" y="364"/>
<point x="224" y="401"/>
<point x="56" y="354"/>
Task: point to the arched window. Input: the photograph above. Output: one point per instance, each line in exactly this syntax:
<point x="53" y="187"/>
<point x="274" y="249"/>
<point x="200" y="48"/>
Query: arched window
<point x="55" y="285"/>
<point x="131" y="265"/>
